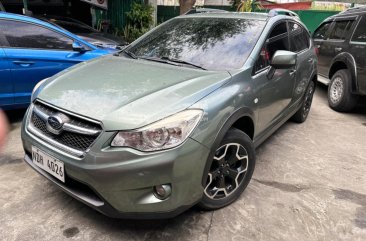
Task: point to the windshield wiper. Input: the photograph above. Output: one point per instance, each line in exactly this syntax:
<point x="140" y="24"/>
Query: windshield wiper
<point x="128" y="53"/>
<point x="182" y="62"/>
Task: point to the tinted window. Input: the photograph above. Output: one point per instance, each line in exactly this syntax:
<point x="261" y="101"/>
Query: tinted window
<point x="360" y="32"/>
<point x="299" y="38"/>
<point x="74" y="27"/>
<point x="213" y="43"/>
<point x="277" y="40"/>
<point x="24" y="35"/>
<point x="3" y="41"/>
<point x="322" y="31"/>
<point x="340" y="29"/>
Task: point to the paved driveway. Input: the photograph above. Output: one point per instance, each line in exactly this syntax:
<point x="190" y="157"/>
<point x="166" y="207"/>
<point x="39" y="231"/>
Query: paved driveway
<point x="309" y="184"/>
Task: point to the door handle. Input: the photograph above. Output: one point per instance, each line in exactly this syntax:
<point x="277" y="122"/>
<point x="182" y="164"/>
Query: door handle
<point x="310" y="60"/>
<point x="338" y="49"/>
<point x="317" y="46"/>
<point x="292" y="72"/>
<point x="23" y="63"/>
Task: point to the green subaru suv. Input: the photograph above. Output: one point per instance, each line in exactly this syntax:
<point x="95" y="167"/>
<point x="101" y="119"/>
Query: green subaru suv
<point x="172" y="120"/>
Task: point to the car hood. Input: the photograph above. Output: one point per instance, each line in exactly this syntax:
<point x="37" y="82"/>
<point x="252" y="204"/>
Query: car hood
<point x="127" y="94"/>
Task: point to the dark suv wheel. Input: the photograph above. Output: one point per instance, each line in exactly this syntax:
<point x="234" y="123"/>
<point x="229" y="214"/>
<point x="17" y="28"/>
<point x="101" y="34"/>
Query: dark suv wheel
<point x="339" y="92"/>
<point x="230" y="172"/>
<point x="301" y="115"/>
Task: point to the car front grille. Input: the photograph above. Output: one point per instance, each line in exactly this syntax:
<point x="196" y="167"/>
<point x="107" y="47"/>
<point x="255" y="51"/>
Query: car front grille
<point x="76" y="139"/>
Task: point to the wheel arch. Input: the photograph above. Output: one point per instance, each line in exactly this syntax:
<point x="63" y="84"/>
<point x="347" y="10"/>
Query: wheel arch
<point x="344" y="61"/>
<point x="242" y="119"/>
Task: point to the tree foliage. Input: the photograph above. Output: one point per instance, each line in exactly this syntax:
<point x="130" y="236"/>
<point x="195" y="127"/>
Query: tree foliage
<point x="139" y="21"/>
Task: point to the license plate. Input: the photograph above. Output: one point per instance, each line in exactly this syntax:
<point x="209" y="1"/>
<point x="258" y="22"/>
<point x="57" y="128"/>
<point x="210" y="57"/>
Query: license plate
<point x="48" y="163"/>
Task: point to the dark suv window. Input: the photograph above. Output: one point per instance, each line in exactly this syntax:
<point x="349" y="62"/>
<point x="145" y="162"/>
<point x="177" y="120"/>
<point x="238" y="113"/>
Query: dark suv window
<point x="341" y="29"/>
<point x="360" y="32"/>
<point x="322" y="31"/>
<point x="277" y="40"/>
<point x="299" y="38"/>
<point x="25" y="35"/>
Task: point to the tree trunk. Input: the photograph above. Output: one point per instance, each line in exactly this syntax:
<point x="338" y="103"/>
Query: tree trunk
<point x="186" y="5"/>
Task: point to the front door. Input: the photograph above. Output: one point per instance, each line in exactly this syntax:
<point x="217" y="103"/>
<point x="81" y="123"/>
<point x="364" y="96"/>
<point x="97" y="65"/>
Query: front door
<point x="34" y="53"/>
<point x="276" y="92"/>
<point x="6" y="84"/>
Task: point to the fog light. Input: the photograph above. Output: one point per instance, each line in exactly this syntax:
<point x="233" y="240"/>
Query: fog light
<point x="162" y="191"/>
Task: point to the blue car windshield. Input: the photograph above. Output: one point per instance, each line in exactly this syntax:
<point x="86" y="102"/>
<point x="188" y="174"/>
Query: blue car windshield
<point x="211" y="43"/>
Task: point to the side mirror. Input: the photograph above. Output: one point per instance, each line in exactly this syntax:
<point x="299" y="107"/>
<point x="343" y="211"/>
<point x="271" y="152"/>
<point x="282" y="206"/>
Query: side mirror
<point x="283" y="59"/>
<point x="77" y="47"/>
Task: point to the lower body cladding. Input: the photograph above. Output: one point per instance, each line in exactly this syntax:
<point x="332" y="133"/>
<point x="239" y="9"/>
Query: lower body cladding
<point x="125" y="183"/>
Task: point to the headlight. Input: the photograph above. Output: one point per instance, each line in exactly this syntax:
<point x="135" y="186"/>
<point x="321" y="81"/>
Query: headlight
<point x="38" y="84"/>
<point x="167" y="133"/>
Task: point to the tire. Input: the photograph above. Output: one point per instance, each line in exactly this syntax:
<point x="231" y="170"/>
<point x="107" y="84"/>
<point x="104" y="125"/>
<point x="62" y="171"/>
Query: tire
<point x="302" y="114"/>
<point x="339" y="92"/>
<point x="229" y="175"/>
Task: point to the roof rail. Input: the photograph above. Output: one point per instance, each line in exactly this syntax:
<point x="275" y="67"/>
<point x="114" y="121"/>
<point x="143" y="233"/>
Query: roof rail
<point x="355" y="8"/>
<point x="278" y="11"/>
<point x="205" y="10"/>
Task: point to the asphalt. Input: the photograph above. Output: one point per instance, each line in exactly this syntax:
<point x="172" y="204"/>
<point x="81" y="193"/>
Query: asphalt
<point x="309" y="184"/>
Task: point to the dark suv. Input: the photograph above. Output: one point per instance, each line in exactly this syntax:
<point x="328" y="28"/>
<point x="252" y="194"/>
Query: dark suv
<point x="341" y="44"/>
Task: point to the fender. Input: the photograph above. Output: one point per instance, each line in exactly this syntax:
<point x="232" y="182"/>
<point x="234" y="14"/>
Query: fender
<point x="349" y="61"/>
<point x="236" y="115"/>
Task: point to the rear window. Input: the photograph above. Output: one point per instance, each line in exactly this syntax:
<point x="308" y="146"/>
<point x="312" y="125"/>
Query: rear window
<point x="213" y="43"/>
<point x="360" y="32"/>
<point x="299" y="38"/>
<point x="341" y="29"/>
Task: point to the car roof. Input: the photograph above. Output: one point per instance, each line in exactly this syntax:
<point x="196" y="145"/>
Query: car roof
<point x="348" y="13"/>
<point x="23" y="18"/>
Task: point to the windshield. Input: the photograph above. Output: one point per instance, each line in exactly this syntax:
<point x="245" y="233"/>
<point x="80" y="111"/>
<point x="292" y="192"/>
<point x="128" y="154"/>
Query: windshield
<point x="212" y="43"/>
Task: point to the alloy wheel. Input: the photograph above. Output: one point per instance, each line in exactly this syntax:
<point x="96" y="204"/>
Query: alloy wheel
<point x="227" y="171"/>
<point x="308" y="99"/>
<point x="336" y="90"/>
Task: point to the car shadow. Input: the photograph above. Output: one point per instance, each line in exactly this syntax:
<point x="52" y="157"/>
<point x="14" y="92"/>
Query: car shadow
<point x="135" y="229"/>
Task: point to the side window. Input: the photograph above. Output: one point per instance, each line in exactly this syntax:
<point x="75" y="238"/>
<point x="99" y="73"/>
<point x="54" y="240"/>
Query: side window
<point x="322" y="32"/>
<point x="277" y="40"/>
<point x="3" y="41"/>
<point x="341" y="29"/>
<point x="360" y="32"/>
<point x="25" y="35"/>
<point x="299" y="38"/>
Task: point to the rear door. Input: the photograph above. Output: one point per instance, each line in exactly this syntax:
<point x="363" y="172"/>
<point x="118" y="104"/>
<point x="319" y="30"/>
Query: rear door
<point x="300" y="44"/>
<point x="36" y="52"/>
<point x="335" y="44"/>
<point x="358" y="50"/>
<point x="320" y="41"/>
<point x="6" y="85"/>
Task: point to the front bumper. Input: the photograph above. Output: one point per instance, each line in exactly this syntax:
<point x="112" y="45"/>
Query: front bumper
<point x="118" y="182"/>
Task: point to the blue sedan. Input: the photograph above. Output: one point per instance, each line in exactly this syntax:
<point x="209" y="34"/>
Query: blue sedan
<point x="32" y="50"/>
